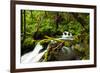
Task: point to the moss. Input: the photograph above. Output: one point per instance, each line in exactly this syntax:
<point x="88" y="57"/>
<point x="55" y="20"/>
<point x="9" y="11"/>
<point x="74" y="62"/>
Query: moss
<point x="46" y="56"/>
<point x="28" y="41"/>
<point x="27" y="45"/>
<point x="67" y="44"/>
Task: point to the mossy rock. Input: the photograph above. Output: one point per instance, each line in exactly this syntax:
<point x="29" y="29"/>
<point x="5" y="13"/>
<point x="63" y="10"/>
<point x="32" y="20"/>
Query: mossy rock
<point x="28" y="41"/>
<point x="67" y="44"/>
<point x="27" y="45"/>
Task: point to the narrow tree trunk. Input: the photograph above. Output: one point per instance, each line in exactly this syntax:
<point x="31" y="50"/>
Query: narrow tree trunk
<point x="24" y="25"/>
<point x="31" y="16"/>
<point x="57" y="20"/>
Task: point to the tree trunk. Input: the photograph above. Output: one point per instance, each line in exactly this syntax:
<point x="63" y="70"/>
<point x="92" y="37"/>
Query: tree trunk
<point x="31" y="16"/>
<point x="57" y="20"/>
<point x="24" y="25"/>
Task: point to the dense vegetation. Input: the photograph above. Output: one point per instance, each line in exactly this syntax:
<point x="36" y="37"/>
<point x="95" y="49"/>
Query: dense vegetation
<point x="42" y="26"/>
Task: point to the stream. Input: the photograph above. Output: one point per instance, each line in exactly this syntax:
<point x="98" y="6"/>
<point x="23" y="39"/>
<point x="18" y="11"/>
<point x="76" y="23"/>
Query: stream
<point x="65" y="53"/>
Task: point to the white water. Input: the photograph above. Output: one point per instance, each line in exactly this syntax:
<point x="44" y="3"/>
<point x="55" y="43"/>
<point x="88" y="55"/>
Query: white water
<point x="65" y="36"/>
<point x="33" y="56"/>
<point x="66" y="53"/>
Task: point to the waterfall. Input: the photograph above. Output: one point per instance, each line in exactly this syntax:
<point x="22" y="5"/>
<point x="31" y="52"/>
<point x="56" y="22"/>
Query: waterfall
<point x="66" y="53"/>
<point x="33" y="56"/>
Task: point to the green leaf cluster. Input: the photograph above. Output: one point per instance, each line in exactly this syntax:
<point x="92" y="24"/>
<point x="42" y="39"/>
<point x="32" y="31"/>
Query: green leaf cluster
<point x="36" y="24"/>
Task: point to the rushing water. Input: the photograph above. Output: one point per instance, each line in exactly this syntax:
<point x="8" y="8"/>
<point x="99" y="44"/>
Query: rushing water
<point x="66" y="53"/>
<point x="33" y="56"/>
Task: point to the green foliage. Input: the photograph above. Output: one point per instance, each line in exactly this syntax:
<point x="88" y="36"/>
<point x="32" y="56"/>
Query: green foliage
<point x="43" y="26"/>
<point x="27" y="45"/>
<point x="28" y="42"/>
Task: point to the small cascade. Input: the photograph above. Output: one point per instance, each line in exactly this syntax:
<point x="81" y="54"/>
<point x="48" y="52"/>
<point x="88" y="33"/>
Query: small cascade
<point x="66" y="36"/>
<point x="64" y="53"/>
<point x="33" y="56"/>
